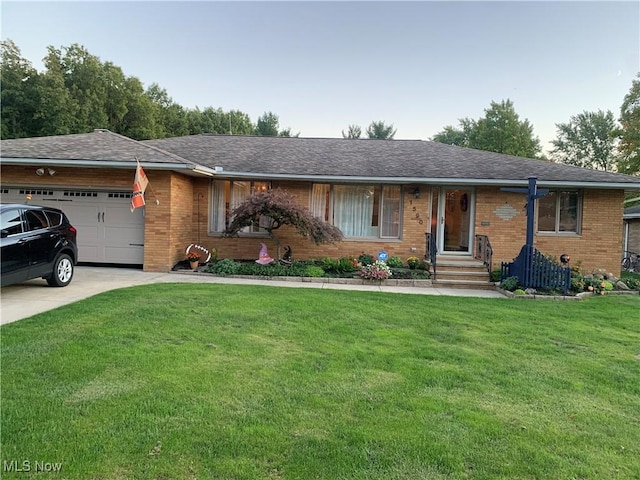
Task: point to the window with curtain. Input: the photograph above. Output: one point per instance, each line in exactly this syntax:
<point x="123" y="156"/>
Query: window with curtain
<point x="359" y="211"/>
<point x="560" y="212"/>
<point x="225" y="196"/>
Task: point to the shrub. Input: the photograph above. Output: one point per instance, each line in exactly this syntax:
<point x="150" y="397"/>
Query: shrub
<point x="496" y="275"/>
<point x="632" y="283"/>
<point x="607" y="285"/>
<point x="413" y="262"/>
<point x="365" y="259"/>
<point x="519" y="291"/>
<point x="375" y="271"/>
<point x="330" y="264"/>
<point x="394" y="262"/>
<point x="347" y="265"/>
<point x="313" y="271"/>
<point x="509" y="284"/>
<point x="226" y="266"/>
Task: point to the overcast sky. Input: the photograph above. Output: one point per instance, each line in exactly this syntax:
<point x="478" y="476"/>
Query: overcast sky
<point x="321" y="66"/>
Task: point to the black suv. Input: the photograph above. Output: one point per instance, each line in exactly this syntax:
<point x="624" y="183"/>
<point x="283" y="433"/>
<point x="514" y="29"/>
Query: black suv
<point x="36" y="242"/>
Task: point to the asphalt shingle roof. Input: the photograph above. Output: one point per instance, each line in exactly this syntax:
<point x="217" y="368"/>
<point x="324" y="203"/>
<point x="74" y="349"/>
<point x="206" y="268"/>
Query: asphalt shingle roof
<point x="370" y="158"/>
<point x="99" y="145"/>
<point x="307" y="157"/>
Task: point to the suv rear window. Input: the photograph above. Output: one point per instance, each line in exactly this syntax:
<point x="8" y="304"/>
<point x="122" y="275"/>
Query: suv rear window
<point x="55" y="218"/>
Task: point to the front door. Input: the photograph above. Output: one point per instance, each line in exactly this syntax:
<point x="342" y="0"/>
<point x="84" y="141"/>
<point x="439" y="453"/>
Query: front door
<point x="455" y="215"/>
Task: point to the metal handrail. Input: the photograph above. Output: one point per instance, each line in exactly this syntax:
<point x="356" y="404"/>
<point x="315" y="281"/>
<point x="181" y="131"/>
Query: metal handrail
<point x="484" y="252"/>
<point x="431" y="252"/>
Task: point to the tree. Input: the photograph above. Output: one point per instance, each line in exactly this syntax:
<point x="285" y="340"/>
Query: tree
<point x="267" y="126"/>
<point x="587" y="141"/>
<point x="19" y="92"/>
<point x="629" y="132"/>
<point x="281" y="208"/>
<point x="500" y="131"/>
<point x="380" y="131"/>
<point x="353" y="132"/>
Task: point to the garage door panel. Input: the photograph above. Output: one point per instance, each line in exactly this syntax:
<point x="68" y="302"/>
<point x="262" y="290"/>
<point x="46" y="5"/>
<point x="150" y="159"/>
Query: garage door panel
<point x="108" y="232"/>
<point x="125" y="254"/>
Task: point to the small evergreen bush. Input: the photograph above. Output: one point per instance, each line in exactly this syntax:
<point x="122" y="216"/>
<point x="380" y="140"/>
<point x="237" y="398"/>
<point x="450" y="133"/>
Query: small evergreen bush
<point x="223" y="267"/>
<point x="366" y="259"/>
<point x="509" y="284"/>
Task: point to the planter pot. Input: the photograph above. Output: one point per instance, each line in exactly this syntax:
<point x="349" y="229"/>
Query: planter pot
<point x="193" y="265"/>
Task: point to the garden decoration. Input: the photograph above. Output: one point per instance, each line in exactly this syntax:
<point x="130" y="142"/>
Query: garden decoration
<point x="264" y="258"/>
<point x="287" y="258"/>
<point x="197" y="254"/>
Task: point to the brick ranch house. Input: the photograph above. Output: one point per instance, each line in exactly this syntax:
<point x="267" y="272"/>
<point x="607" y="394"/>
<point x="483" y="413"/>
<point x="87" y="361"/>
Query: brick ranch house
<point x="383" y="195"/>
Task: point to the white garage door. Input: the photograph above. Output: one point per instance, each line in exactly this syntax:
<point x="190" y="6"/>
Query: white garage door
<point x="108" y="232"/>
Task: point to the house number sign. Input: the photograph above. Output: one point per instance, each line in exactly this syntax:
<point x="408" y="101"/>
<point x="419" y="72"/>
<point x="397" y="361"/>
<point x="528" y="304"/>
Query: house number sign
<point x="417" y="214"/>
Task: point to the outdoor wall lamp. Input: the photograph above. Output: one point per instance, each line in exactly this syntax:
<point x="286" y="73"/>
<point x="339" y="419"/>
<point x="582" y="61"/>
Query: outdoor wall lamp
<point x="416" y="192"/>
<point x="41" y="171"/>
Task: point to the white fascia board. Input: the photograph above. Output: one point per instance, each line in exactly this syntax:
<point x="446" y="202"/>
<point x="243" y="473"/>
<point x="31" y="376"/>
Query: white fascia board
<point x="108" y="164"/>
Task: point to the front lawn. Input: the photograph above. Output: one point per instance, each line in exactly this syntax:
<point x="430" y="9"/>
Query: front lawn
<point x="249" y="382"/>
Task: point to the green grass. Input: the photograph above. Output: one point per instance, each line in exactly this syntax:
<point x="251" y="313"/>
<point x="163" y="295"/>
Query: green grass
<point x="248" y="382"/>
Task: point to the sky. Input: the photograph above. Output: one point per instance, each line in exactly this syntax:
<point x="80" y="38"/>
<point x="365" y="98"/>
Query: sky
<point x="322" y="66"/>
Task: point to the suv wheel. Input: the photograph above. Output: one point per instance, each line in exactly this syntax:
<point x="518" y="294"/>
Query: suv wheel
<point x="62" y="271"/>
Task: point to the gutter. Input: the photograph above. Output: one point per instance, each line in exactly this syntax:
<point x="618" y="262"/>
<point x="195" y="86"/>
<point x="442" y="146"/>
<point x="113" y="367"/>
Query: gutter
<point x="195" y="168"/>
<point x="221" y="173"/>
<point x="429" y="180"/>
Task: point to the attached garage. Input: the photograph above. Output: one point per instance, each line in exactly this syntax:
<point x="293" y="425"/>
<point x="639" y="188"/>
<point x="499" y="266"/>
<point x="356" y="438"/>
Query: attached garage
<point x="108" y="232"/>
<point x="90" y="177"/>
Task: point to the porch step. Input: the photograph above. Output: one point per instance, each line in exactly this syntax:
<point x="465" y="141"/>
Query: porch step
<point x="461" y="272"/>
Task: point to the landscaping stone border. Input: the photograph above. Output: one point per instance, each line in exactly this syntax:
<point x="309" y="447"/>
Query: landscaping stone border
<point x="391" y="282"/>
<point x="576" y="297"/>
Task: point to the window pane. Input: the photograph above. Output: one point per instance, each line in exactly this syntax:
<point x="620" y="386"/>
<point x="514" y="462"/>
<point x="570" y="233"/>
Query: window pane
<point x="36" y="220"/>
<point x="319" y="206"/>
<point x="568" y="212"/>
<point x="547" y="213"/>
<point x="55" y="218"/>
<point x="353" y="209"/>
<point x="390" y="212"/>
<point x="218" y="206"/>
<point x="11" y="222"/>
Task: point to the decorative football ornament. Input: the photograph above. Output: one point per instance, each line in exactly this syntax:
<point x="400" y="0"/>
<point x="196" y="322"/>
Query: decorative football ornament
<point x="203" y="253"/>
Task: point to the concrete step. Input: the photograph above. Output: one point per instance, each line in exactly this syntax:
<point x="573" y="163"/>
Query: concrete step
<point x="463" y="275"/>
<point x="473" y="284"/>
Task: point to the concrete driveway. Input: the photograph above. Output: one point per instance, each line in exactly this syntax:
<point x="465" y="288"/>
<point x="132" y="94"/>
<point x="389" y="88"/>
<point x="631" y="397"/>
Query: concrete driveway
<point x="35" y="296"/>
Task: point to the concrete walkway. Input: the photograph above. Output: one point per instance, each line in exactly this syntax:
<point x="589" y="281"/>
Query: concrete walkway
<point x="32" y="297"/>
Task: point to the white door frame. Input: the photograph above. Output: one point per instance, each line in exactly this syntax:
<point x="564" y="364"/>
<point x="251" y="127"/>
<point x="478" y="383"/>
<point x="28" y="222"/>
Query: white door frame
<point x="468" y="206"/>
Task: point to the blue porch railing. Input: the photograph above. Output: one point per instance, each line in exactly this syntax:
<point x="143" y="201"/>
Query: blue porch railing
<point x="534" y="270"/>
<point x="431" y="253"/>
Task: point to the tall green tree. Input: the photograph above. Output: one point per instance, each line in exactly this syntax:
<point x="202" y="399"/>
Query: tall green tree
<point x="19" y="92"/>
<point x="353" y="132"/>
<point x="268" y="124"/>
<point x="629" y="131"/>
<point x="380" y="131"/>
<point x="587" y="140"/>
<point x="500" y="130"/>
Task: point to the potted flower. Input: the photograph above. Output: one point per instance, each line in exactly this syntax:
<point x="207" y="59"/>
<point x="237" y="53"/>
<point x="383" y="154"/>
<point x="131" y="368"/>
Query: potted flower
<point x="194" y="259"/>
